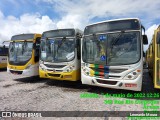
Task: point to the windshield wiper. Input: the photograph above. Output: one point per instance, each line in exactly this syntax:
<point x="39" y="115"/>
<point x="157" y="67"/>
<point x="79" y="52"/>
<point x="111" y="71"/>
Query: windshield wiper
<point x="60" y="44"/>
<point x="97" y="41"/>
<point x="117" y="38"/>
<point x="62" y="41"/>
<point x="24" y="46"/>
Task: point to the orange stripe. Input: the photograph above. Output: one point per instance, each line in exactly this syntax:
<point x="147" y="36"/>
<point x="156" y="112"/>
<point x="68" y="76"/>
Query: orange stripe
<point x="101" y="66"/>
<point x="101" y="73"/>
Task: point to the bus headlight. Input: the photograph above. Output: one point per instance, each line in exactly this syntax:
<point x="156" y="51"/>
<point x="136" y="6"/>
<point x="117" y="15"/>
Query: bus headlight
<point x="42" y="68"/>
<point x="85" y="71"/>
<point x="132" y="75"/>
<point x="28" y="66"/>
<point x="69" y="69"/>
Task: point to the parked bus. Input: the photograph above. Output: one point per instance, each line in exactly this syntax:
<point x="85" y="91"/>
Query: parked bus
<point x="3" y="56"/>
<point x="23" y="57"/>
<point x="60" y="54"/>
<point x="154" y="58"/>
<point x="112" y="54"/>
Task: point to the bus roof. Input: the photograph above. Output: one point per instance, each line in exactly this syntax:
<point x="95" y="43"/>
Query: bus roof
<point x="114" y="25"/>
<point x="25" y="36"/>
<point x="114" y="20"/>
<point x="76" y="30"/>
<point x="67" y="32"/>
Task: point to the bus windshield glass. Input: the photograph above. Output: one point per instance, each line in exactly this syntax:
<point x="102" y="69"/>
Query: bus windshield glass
<point x="20" y="51"/>
<point x="58" y="50"/>
<point x="120" y="48"/>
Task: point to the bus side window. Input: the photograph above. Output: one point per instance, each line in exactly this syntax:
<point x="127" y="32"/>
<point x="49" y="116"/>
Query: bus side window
<point x="4" y="51"/>
<point x="37" y="47"/>
<point x="78" y="49"/>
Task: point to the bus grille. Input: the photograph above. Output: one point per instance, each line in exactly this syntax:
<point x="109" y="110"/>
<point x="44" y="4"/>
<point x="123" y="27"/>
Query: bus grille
<point x="54" y="70"/>
<point x="54" y="66"/>
<point x="117" y="70"/>
<point x="106" y="72"/>
<point x="16" y="72"/>
<point x="54" y="75"/>
<point x="107" y="82"/>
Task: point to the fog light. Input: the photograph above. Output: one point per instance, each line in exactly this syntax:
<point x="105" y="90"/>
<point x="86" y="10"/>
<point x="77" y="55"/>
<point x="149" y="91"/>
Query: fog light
<point x="87" y="73"/>
<point x="134" y="73"/>
<point x="129" y="76"/>
<point x="68" y="70"/>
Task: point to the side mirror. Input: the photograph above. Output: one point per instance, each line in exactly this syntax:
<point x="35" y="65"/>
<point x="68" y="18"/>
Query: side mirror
<point x="4" y="46"/>
<point x="79" y="35"/>
<point x="145" y="40"/>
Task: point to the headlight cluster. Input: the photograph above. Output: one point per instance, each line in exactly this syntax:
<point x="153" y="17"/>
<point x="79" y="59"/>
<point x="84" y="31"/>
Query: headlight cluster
<point x="133" y="75"/>
<point x="85" y="69"/>
<point x="42" y="68"/>
<point x="69" y="68"/>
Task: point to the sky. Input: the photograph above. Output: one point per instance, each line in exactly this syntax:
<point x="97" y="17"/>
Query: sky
<point x="37" y="16"/>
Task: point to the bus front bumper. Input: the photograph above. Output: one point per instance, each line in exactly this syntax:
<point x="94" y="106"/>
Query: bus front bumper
<point x="24" y="73"/>
<point x="134" y="85"/>
<point x="69" y="76"/>
<point x="3" y="65"/>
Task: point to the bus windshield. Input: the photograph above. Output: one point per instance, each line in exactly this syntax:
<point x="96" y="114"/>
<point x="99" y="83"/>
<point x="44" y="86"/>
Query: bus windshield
<point x="20" y="51"/>
<point x="58" y="50"/>
<point x="119" y="48"/>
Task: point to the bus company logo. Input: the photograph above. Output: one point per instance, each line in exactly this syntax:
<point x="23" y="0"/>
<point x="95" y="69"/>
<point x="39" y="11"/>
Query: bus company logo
<point x="6" y="114"/>
<point x="106" y="76"/>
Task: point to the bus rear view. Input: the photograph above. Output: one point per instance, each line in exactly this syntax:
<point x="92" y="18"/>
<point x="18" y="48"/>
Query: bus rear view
<point x="112" y="54"/>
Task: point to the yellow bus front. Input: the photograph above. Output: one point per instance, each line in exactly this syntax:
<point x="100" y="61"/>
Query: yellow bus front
<point x="23" y="58"/>
<point x="60" y="55"/>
